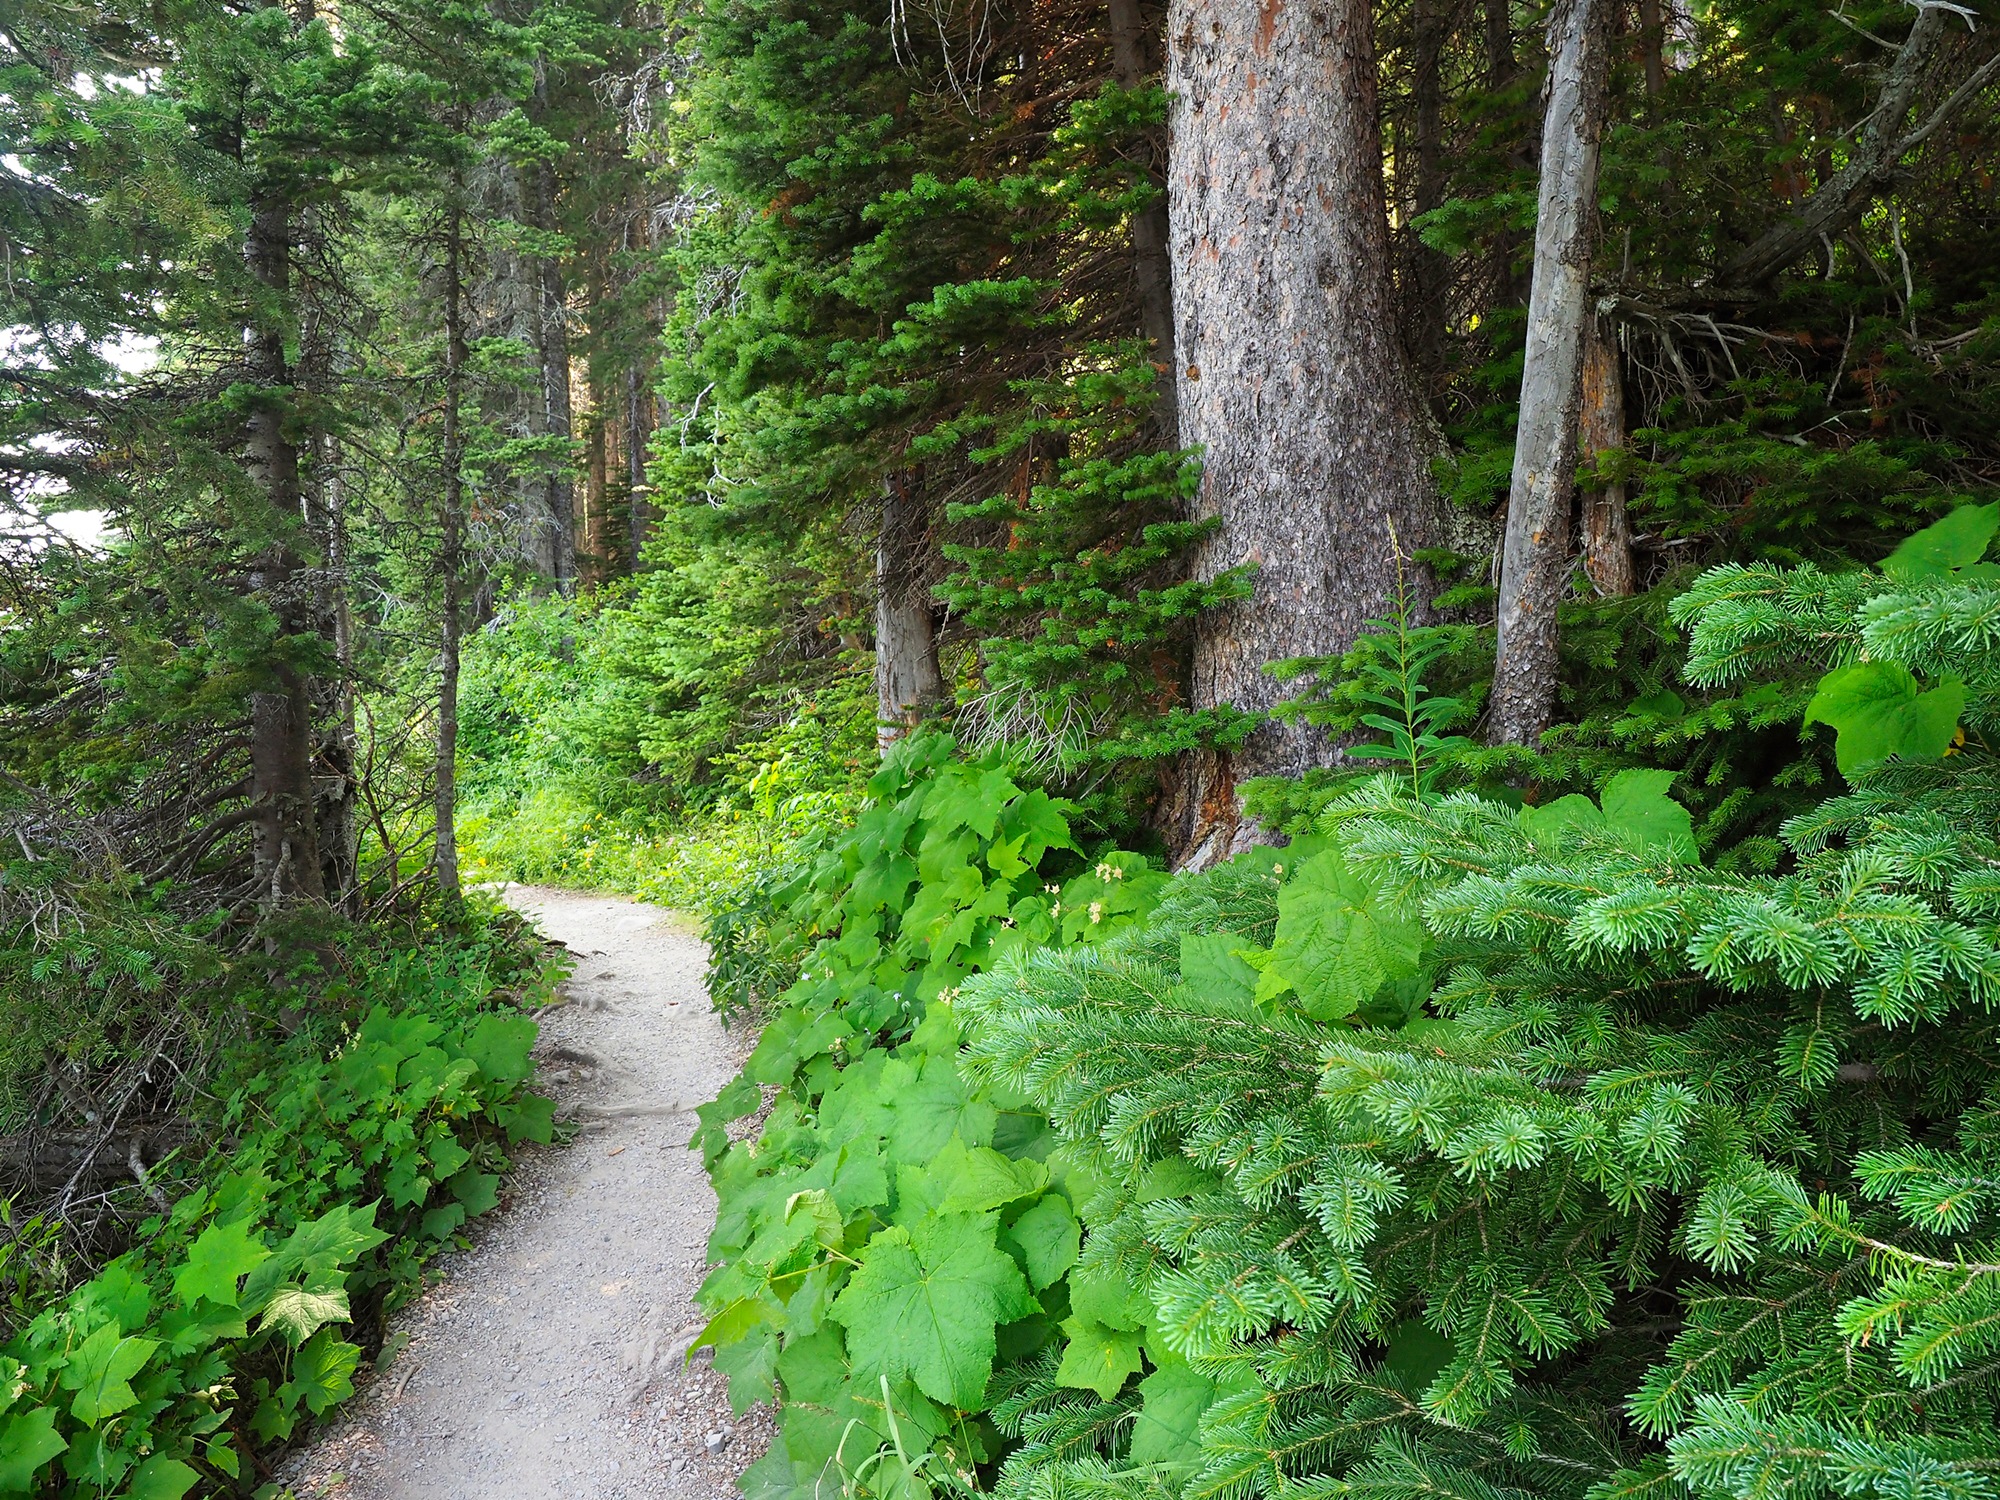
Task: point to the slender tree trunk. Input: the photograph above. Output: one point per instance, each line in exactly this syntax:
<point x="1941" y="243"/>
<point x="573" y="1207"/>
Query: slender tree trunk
<point x="1607" y="533"/>
<point x="908" y="683"/>
<point x="552" y="347"/>
<point x="1653" y="53"/>
<point x="285" y="839"/>
<point x="1293" y="380"/>
<point x="341" y="829"/>
<point x="450" y="561"/>
<point x="1152" y="271"/>
<point x="1500" y="64"/>
<point x="594" y="566"/>
<point x="1535" y="564"/>
<point x="638" y="433"/>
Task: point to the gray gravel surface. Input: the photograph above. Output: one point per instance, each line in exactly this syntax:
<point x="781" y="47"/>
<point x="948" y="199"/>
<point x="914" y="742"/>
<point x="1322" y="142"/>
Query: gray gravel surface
<point x="549" y="1360"/>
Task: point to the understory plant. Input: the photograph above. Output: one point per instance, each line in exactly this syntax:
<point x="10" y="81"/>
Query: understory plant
<point x="1464" y="1147"/>
<point x="891" y="1234"/>
<point x="241" y="1310"/>
<point x="1580" y="1166"/>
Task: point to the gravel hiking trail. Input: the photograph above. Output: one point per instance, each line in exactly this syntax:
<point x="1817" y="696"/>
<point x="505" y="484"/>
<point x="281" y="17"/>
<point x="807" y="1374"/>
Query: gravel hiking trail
<point x="548" y="1362"/>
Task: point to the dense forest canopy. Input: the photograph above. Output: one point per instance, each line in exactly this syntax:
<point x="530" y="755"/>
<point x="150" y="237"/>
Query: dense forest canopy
<point x="1324" y="671"/>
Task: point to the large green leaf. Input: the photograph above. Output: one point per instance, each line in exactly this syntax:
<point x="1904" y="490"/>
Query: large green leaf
<point x="1168" y="1426"/>
<point x="1048" y="1237"/>
<point x="1337" y="939"/>
<point x="220" y="1256"/>
<point x="1098" y="1358"/>
<point x="500" y="1045"/>
<point x="1957" y="541"/>
<point x="1213" y="966"/>
<point x="322" y="1372"/>
<point x="300" y="1310"/>
<point x="1878" y="712"/>
<point x="925" y="1302"/>
<point x="1637" y="812"/>
<point x="28" y="1439"/>
<point x="100" y="1372"/>
<point x="161" y="1478"/>
<point x="977" y="1178"/>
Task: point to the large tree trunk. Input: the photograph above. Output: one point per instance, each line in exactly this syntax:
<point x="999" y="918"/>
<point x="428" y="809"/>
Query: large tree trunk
<point x="1292" y="379"/>
<point x="285" y="836"/>
<point x="1152" y="271"/>
<point x="908" y="683"/>
<point x="444" y="858"/>
<point x="1535" y="564"/>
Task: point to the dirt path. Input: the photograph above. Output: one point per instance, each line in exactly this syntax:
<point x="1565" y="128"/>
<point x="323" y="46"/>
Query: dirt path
<point x="547" y="1363"/>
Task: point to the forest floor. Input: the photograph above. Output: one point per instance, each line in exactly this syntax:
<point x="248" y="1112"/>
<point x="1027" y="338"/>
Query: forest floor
<point x="548" y="1362"/>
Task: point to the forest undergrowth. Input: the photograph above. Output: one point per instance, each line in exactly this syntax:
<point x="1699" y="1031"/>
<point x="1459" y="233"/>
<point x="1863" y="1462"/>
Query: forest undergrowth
<point x="1472" y="1143"/>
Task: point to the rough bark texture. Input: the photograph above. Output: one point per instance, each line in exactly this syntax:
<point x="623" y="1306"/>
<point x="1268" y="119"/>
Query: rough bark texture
<point x="444" y="857"/>
<point x="1152" y="271"/>
<point x="1535" y="564"/>
<point x="908" y="683"/>
<point x="1607" y="533"/>
<point x="1292" y="377"/>
<point x="285" y="838"/>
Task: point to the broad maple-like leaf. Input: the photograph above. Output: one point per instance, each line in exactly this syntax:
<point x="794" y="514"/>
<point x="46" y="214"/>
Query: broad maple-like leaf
<point x="925" y="1302"/>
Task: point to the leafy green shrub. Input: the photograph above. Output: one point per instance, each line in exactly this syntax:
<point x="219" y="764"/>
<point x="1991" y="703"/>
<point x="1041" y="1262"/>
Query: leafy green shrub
<point x="1565" y="1164"/>
<point x="892" y="1233"/>
<point x="218" y="1332"/>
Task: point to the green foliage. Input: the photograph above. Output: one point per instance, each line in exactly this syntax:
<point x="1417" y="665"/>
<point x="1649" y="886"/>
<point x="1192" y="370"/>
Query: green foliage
<point x="1668" y="1174"/>
<point x="347" y="1169"/>
<point x="892" y="1236"/>
<point x="584" y="762"/>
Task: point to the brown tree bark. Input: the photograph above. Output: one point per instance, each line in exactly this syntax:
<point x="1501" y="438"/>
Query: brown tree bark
<point x="1293" y="381"/>
<point x="1152" y="270"/>
<point x="1535" y="562"/>
<point x="444" y="857"/>
<point x="285" y="837"/>
<point x="1607" y="532"/>
<point x="908" y="683"/>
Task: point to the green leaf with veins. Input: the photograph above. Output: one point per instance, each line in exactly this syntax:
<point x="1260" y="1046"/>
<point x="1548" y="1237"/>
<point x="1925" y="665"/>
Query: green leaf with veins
<point x="1878" y="712"/>
<point x="1098" y="1358"/>
<point x="1337" y="939"/>
<point x="1048" y="1237"/>
<point x="220" y="1256"/>
<point x="1957" y="541"/>
<point x="100" y="1372"/>
<point x="925" y="1302"/>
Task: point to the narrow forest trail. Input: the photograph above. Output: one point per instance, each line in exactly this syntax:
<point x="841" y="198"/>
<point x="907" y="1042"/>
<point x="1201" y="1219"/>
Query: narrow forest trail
<point x="548" y="1361"/>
